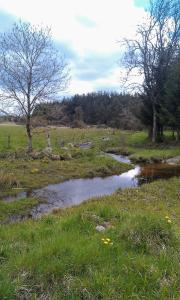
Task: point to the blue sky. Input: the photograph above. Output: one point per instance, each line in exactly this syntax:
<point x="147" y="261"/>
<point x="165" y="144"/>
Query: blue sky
<point x="86" y="31"/>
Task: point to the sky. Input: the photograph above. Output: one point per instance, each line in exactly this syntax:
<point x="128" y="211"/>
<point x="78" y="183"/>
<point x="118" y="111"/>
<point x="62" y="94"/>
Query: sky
<point x="86" y="31"/>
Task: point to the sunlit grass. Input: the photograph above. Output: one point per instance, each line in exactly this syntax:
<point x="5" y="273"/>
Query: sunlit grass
<point x="62" y="256"/>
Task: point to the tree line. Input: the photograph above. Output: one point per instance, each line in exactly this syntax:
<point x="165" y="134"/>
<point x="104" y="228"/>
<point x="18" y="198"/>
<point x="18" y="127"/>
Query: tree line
<point x="101" y="108"/>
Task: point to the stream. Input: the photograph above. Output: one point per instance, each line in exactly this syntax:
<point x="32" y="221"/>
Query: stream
<point x="75" y="191"/>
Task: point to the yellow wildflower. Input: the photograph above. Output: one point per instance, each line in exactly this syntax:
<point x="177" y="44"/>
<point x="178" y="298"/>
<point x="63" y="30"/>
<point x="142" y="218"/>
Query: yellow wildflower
<point x="169" y="221"/>
<point x="166" y="217"/>
<point x="105" y="242"/>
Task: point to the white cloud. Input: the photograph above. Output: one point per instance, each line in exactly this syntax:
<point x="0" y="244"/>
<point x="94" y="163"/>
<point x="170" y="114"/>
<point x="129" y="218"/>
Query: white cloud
<point x="110" y="19"/>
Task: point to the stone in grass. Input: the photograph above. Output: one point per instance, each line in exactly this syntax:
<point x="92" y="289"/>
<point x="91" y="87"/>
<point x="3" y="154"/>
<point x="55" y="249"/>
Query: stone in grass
<point x="55" y="157"/>
<point x="36" y="155"/>
<point x="100" y="228"/>
<point x="107" y="225"/>
<point x="47" y="151"/>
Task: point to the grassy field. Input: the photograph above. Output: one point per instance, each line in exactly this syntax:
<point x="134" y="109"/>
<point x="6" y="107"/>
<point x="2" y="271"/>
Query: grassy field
<point x="140" y="148"/>
<point x="62" y="256"/>
<point x="135" y="143"/>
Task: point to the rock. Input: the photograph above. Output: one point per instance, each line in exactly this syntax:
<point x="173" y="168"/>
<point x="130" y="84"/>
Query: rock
<point x="86" y="145"/>
<point x="173" y="160"/>
<point x="108" y="225"/>
<point x="100" y="228"/>
<point x="55" y="157"/>
<point x="36" y="155"/>
<point x="66" y="156"/>
<point x="105" y="138"/>
<point x="47" y="151"/>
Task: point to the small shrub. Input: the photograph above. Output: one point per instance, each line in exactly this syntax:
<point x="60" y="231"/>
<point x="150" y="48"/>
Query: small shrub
<point x="148" y="234"/>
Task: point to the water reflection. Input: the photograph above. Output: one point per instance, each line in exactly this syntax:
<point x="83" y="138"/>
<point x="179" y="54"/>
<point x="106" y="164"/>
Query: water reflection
<point x="120" y="158"/>
<point x="153" y="172"/>
<point x="73" y="192"/>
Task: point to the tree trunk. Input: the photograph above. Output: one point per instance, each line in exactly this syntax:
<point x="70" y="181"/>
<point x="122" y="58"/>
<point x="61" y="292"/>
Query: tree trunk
<point x="29" y="134"/>
<point x="159" y="133"/>
<point x="150" y="133"/>
<point x="154" y="130"/>
<point x="178" y="135"/>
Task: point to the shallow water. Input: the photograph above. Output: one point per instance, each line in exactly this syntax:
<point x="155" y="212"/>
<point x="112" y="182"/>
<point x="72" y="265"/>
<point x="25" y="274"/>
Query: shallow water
<point x="75" y="191"/>
<point x="120" y="158"/>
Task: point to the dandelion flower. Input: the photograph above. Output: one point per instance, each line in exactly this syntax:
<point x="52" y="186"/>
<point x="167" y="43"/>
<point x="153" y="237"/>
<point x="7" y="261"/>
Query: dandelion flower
<point x="166" y="217"/>
<point x="169" y="221"/>
<point x="105" y="242"/>
<point x="102" y="239"/>
<point x="108" y="240"/>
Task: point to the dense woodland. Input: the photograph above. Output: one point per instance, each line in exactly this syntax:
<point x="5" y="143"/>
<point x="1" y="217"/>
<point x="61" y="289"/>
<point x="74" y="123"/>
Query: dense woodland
<point x="109" y="109"/>
<point x="123" y="111"/>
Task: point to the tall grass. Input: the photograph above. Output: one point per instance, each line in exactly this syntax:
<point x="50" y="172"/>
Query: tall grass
<point x="8" y="180"/>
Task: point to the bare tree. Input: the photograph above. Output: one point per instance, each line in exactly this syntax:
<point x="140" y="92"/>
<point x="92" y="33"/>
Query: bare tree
<point x="152" y="51"/>
<point x="31" y="69"/>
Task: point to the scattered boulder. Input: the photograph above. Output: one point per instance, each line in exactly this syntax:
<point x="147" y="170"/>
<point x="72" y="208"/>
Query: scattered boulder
<point x="47" y="151"/>
<point x="66" y="156"/>
<point x="107" y="225"/>
<point x="105" y="138"/>
<point x="173" y="160"/>
<point x="64" y="148"/>
<point x="55" y="157"/>
<point x="85" y="145"/>
<point x="36" y="155"/>
<point x="100" y="228"/>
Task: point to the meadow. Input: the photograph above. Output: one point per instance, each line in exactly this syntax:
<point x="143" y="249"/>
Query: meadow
<point x="62" y="255"/>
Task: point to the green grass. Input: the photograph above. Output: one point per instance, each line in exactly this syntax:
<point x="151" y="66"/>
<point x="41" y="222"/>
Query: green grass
<point x="62" y="256"/>
<point x="135" y="143"/>
<point x="140" y="148"/>
<point x="18" y="138"/>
